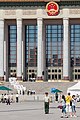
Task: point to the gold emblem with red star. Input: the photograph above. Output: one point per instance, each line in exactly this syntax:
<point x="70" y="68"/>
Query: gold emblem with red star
<point x="52" y="9"/>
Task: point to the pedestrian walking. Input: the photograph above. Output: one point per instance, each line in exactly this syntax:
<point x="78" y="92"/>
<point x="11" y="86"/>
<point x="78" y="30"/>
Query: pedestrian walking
<point x="8" y="99"/>
<point x="5" y="98"/>
<point x="56" y="96"/>
<point x="17" y="98"/>
<point x="73" y="106"/>
<point x="68" y="105"/>
<point x="46" y="103"/>
<point x="11" y="97"/>
<point x="2" y="98"/>
<point x="63" y="101"/>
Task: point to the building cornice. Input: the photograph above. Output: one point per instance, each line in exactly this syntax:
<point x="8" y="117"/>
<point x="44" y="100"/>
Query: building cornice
<point x="36" y="0"/>
<point x="19" y="3"/>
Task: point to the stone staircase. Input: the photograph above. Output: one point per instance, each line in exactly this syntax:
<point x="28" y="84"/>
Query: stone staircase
<point x="42" y="87"/>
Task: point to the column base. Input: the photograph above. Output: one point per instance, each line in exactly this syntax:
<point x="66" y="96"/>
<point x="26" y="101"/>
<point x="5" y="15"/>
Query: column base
<point x="40" y="78"/>
<point x="66" y="78"/>
<point x="19" y="78"/>
<point x="1" y="78"/>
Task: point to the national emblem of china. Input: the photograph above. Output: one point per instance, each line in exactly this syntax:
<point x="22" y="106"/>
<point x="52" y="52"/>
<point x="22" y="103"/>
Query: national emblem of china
<point x="52" y="9"/>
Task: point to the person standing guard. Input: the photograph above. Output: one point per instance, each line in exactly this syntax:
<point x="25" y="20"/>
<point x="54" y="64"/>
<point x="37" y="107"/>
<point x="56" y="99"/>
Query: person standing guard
<point x="17" y="98"/>
<point x="46" y="103"/>
<point x="8" y="99"/>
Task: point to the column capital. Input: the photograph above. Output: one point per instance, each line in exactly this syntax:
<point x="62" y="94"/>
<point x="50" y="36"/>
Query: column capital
<point x="1" y="19"/>
<point x="19" y="22"/>
<point x="19" y="19"/>
<point x="39" y="18"/>
<point x="2" y="23"/>
<point x="65" y="18"/>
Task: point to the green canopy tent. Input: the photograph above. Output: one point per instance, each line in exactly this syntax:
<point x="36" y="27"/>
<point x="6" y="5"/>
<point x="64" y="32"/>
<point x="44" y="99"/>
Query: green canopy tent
<point x="5" y="88"/>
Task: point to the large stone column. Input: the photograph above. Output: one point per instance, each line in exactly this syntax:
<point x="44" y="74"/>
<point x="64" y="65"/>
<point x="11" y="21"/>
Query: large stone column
<point x="40" y="70"/>
<point x="66" y="49"/>
<point x="19" y="49"/>
<point x="44" y="54"/>
<point x="1" y="49"/>
<point x="5" y="53"/>
<point x="23" y="53"/>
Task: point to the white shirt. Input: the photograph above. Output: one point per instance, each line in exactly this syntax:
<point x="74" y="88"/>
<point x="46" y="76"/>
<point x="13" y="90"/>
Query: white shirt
<point x="73" y="102"/>
<point x="63" y="102"/>
<point x="46" y="99"/>
<point x="17" y="95"/>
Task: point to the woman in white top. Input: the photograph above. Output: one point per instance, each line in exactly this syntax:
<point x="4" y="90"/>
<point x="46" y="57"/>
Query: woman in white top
<point x="63" y="106"/>
<point x="73" y="106"/>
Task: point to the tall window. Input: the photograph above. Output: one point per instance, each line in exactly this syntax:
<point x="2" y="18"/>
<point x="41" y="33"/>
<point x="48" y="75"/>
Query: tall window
<point x="31" y="45"/>
<point x="54" y="45"/>
<point x="12" y="37"/>
<point x="75" y="45"/>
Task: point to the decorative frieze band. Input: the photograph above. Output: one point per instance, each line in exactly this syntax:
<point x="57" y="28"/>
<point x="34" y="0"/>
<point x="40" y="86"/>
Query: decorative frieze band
<point x="28" y="12"/>
<point x="33" y="12"/>
<point x="74" y="11"/>
<point x="10" y="12"/>
<point x="24" y="12"/>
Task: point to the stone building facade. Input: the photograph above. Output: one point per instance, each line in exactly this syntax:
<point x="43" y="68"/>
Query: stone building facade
<point x="34" y="44"/>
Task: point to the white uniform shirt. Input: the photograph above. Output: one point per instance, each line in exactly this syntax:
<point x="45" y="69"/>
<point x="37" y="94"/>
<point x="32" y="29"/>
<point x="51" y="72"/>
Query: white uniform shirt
<point x="17" y="95"/>
<point x="46" y="99"/>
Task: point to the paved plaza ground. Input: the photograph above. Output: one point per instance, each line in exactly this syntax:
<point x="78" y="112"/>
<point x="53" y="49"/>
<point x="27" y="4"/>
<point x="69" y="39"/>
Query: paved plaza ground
<point x="32" y="111"/>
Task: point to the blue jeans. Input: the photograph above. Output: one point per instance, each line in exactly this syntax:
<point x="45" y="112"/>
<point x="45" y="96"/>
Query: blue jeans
<point x="64" y="109"/>
<point x="73" y="109"/>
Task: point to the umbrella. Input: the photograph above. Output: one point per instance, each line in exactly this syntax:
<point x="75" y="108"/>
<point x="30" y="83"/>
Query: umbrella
<point x="5" y="88"/>
<point x="54" y="90"/>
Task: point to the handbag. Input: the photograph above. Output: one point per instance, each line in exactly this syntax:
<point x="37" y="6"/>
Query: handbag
<point x="60" y="106"/>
